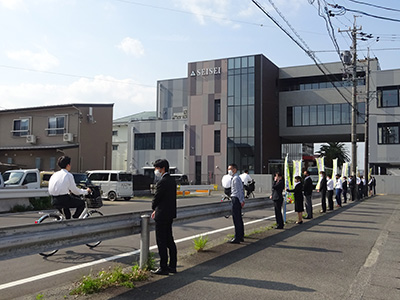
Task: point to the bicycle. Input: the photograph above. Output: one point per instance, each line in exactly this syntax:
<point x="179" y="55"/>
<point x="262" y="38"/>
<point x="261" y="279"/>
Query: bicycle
<point x="92" y="200"/>
<point x="227" y="198"/>
<point x="250" y="189"/>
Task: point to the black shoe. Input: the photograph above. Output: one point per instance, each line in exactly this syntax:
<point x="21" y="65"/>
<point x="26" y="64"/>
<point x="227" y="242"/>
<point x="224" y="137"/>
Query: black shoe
<point x="308" y="218"/>
<point x="242" y="239"/>
<point x="172" y="270"/>
<point x="234" y="241"/>
<point x="299" y="222"/>
<point x="160" y="271"/>
<point x="322" y="211"/>
<point x="279" y="227"/>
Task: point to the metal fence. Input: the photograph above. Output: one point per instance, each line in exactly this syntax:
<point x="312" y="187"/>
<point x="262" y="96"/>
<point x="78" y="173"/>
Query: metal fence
<point x="24" y="240"/>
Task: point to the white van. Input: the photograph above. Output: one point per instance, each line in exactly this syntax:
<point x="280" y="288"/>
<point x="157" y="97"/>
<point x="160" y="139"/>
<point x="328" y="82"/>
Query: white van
<point x="113" y="184"/>
<point x="28" y="178"/>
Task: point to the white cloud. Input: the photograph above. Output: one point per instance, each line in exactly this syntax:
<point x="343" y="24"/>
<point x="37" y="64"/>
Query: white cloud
<point x="42" y="61"/>
<point x="13" y="4"/>
<point x="132" y="47"/>
<point x="128" y="97"/>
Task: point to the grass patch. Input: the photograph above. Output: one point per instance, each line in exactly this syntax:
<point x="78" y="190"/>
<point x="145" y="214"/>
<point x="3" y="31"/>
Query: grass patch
<point x="34" y="204"/>
<point x="200" y="243"/>
<point x="105" y="279"/>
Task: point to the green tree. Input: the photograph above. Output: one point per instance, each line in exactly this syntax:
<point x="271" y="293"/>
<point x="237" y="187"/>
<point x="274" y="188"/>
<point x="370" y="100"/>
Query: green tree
<point x="334" y="150"/>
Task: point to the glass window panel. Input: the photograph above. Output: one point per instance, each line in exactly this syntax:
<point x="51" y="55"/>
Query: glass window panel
<point x="346" y="116"/>
<point x="297" y="116"/>
<point x="244" y="121"/>
<point x="336" y="114"/>
<point x="388" y="133"/>
<point x="250" y="70"/>
<point x="237" y="89"/>
<point x="315" y="86"/>
<point x="231" y="63"/>
<point x="251" y="89"/>
<point x="230" y="132"/>
<point x="144" y="141"/>
<point x="217" y="141"/>
<point x="231" y="101"/>
<point x="250" y="121"/>
<point x="328" y="114"/>
<point x="244" y="62"/>
<point x="231" y="117"/>
<point x="217" y="110"/>
<point x="389" y="98"/>
<point x="251" y="61"/>
<point x="237" y="63"/>
<point x="306" y="116"/>
<point x="231" y="85"/>
<point x="313" y="115"/>
<point x="321" y="114"/>
<point x="244" y="89"/>
<point x="361" y="113"/>
<point x="289" y="116"/>
<point x="323" y="85"/>
<point x="238" y="124"/>
<point x="307" y="86"/>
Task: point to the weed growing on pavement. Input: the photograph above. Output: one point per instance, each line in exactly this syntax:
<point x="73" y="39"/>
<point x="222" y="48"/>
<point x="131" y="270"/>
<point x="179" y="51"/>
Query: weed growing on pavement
<point x="39" y="296"/>
<point x="104" y="279"/>
<point x="200" y="242"/>
<point x="151" y="262"/>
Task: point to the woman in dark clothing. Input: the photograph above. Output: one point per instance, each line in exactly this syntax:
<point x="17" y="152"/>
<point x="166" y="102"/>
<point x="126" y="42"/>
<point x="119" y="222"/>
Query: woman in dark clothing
<point x="277" y="197"/>
<point x="298" y="198"/>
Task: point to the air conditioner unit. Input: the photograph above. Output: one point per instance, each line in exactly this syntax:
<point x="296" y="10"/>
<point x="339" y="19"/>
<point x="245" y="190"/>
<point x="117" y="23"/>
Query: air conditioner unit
<point x="31" y="139"/>
<point x="68" y="137"/>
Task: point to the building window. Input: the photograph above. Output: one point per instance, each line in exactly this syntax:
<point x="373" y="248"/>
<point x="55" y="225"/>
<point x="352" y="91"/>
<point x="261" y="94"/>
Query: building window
<point x="21" y="127"/>
<point x="52" y="163"/>
<point x="145" y="141"/>
<point x="388" y="133"/>
<point x="172" y="140"/>
<point x="56" y="125"/>
<point x="217" y="110"/>
<point x="217" y="141"/>
<point x="326" y="114"/>
<point x="115" y="133"/>
<point x="115" y="147"/>
<point x="388" y="96"/>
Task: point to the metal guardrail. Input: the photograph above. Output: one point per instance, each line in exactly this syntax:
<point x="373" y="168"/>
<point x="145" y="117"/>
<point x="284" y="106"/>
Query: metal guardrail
<point x="11" y="193"/>
<point x="208" y="188"/>
<point x="24" y="240"/>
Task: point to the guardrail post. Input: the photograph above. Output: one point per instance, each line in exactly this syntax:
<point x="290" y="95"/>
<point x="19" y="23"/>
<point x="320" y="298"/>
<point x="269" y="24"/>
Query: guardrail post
<point x="144" y="241"/>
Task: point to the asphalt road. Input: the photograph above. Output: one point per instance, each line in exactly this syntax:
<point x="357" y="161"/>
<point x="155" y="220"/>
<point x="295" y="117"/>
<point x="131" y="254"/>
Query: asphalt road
<point x="33" y="274"/>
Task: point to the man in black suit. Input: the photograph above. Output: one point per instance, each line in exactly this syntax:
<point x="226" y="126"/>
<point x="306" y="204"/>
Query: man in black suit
<point x="352" y="187"/>
<point x="277" y="197"/>
<point x="322" y="189"/>
<point x="164" y="211"/>
<point x="308" y="188"/>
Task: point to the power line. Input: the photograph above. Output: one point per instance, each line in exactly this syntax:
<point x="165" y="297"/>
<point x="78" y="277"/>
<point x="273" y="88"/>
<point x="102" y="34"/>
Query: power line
<point x="343" y="10"/>
<point x="374" y="5"/>
<point x="75" y="76"/>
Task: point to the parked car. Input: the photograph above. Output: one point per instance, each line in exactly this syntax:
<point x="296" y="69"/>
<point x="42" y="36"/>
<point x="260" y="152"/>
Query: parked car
<point x="114" y="184"/>
<point x="28" y="178"/>
<point x="44" y="178"/>
<point x="180" y="179"/>
<point x="1" y="182"/>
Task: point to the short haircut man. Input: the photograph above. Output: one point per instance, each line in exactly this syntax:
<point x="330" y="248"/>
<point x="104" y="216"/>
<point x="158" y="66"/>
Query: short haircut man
<point x="162" y="163"/>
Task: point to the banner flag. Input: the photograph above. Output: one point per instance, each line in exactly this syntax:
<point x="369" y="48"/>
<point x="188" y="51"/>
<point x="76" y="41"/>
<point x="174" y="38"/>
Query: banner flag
<point x="288" y="181"/>
<point x="335" y="167"/>
<point x="321" y="167"/>
<point x="345" y="170"/>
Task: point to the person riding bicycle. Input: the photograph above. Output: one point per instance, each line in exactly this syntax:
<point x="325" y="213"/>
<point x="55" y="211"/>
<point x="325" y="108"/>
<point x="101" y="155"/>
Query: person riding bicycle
<point x="62" y="189"/>
<point x="247" y="182"/>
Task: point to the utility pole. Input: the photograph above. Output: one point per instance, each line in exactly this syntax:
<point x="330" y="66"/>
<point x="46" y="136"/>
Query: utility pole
<point x="354" y="98"/>
<point x="366" y="134"/>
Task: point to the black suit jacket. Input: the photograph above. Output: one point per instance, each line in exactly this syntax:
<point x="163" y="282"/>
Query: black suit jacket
<point x="308" y="186"/>
<point x="277" y="189"/>
<point x="298" y="192"/>
<point x="322" y="184"/>
<point x="164" y="201"/>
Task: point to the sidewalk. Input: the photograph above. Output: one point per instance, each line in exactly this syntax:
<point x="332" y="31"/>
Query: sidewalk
<point x="350" y="253"/>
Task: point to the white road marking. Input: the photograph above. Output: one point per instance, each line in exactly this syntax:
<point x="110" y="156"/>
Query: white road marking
<point x="115" y="257"/>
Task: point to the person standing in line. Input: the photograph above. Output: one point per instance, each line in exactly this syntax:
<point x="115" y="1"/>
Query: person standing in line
<point x="246" y="179"/>
<point x="62" y="187"/>
<point x="374" y="185"/>
<point x="352" y="187"/>
<point x="308" y="189"/>
<point x="329" y="187"/>
<point x="277" y="189"/>
<point x="237" y="198"/>
<point x="360" y="187"/>
<point x="344" y="188"/>
<point x="164" y="212"/>
<point x="365" y="186"/>
<point x="338" y="189"/>
<point x="298" y="199"/>
<point x="323" y="189"/>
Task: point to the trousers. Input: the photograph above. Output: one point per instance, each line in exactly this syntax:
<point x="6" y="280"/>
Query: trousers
<point x="165" y="241"/>
<point x="237" y="218"/>
<point x="278" y="212"/>
<point x="65" y="202"/>
<point x="309" y="208"/>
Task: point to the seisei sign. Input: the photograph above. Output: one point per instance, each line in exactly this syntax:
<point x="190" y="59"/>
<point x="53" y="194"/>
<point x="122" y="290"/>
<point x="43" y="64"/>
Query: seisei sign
<point x="206" y="72"/>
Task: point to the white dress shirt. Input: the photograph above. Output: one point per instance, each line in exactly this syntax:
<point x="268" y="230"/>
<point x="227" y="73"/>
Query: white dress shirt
<point x="62" y="183"/>
<point x="329" y="185"/>
<point x="338" y="184"/>
<point x="245" y="178"/>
